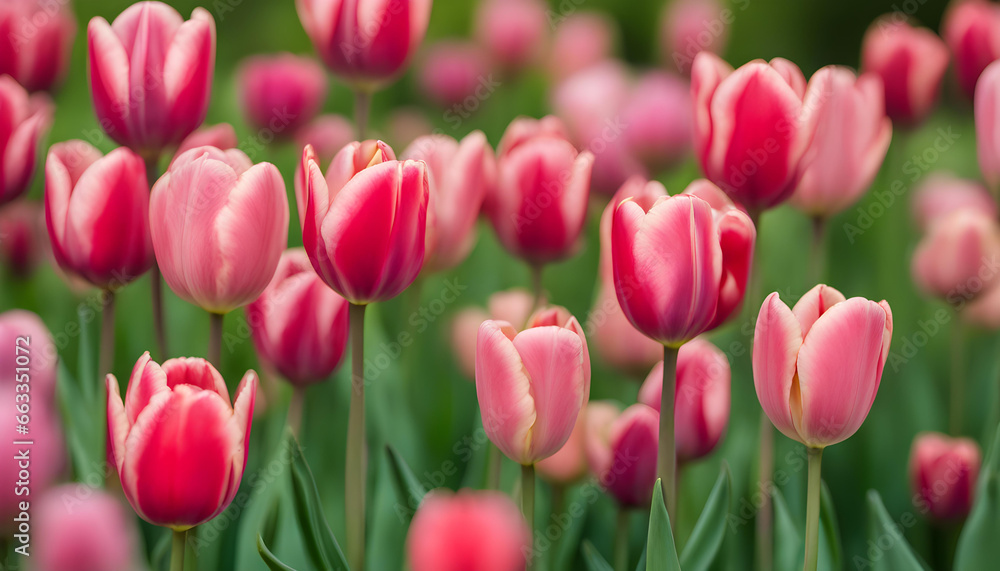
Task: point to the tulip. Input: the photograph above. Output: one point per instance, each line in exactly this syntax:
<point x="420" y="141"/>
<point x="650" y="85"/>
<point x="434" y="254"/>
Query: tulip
<point x="327" y="134"/>
<point x="657" y="120"/>
<point x="280" y="93"/>
<point x="26" y="119"/>
<point x="460" y="176"/>
<point x="36" y="38"/>
<point x="987" y="110"/>
<point x="219" y="225"/>
<point x="952" y="260"/>
<point x="569" y="463"/>
<point x="748" y="132"/>
<point x="81" y="529"/>
<point x="179" y="446"/>
<point x="22" y="237"/>
<point x="524" y="129"/>
<point x="513" y="306"/>
<point x="622" y="452"/>
<point x="581" y="40"/>
<point x="453" y="72"/>
<point x="943" y="475"/>
<point x="911" y="62"/>
<point x="405" y="125"/>
<point x="151" y="74"/>
<point x="941" y="194"/>
<point x="468" y="530"/>
<point x="512" y="31"/>
<point x="97" y="213"/>
<point x="688" y="27"/>
<point x="221" y="136"/>
<point x="850" y="140"/>
<point x="971" y="28"/>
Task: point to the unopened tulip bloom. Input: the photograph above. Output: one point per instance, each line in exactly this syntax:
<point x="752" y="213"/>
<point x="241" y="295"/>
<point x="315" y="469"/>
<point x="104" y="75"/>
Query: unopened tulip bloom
<point x="569" y="464"/>
<point x="365" y="42"/>
<point x="987" y="110"/>
<point x="748" y="131"/>
<point x="478" y="530"/>
<point x="151" y="74"/>
<point x="460" y="174"/>
<point x="219" y="225"/>
<point x="581" y="40"/>
<point x="940" y="194"/>
<point x="22" y="237"/>
<point x="221" y="136"/>
<point x="851" y="135"/>
<point x="179" y="444"/>
<point x="282" y="92"/>
<point x="953" y="259"/>
<point x="943" y="475"/>
<point x="971" y="28"/>
<point x="299" y="324"/>
<point x="452" y="72"/>
<point x="26" y="119"/>
<point x="658" y="121"/>
<point x="512" y="306"/>
<point x="97" y="213"/>
<point x="36" y="38"/>
<point x="688" y="27"/>
<point x="512" y="31"/>
<point x="622" y="453"/>
<point x="701" y="398"/>
<point x="83" y="529"/>
<point x="911" y="62"/>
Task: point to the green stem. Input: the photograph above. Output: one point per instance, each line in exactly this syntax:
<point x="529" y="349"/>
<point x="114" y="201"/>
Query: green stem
<point x="494" y="464"/>
<point x="215" y="323"/>
<point x="295" y="407"/>
<point x="537" y="288"/>
<point x="177" y="553"/>
<point x="666" y="457"/>
<point x="354" y="480"/>
<point x="812" y="508"/>
<point x="528" y="502"/>
<point x="107" y="356"/>
<point x="957" y="384"/>
<point x="362" y="110"/>
<point x="765" y="514"/>
<point x="817" y="258"/>
<point x="621" y="539"/>
<point x="156" y="284"/>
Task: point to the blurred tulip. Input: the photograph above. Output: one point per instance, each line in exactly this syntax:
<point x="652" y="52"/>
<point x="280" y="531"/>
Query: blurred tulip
<point x="688" y="27"/>
<point x="657" y="120"/>
<point x="365" y="42"/>
<point x="701" y="398"/>
<point x="512" y="31"/>
<point x="531" y="385"/>
<point x="221" y="136"/>
<point x="748" y="133"/>
<point x="581" y="40"/>
<point x="513" y="306"/>
<point x="943" y="475"/>
<point x="971" y="28"/>
<point x="282" y="92"/>
<point x="987" y="110"/>
<point x="364" y="225"/>
<point x="621" y="450"/>
<point x="151" y="74"/>
<point x="940" y="194"/>
<point x="83" y="529"/>
<point x="524" y="129"/>
<point x="452" y="72"/>
<point x="36" y="38"/>
<point x="219" y="224"/>
<point x="479" y="530"/>
<point x="817" y="366"/>
<point x="97" y="213"/>
<point x="25" y="119"/>
<point x="179" y="445"/>
<point x="460" y="174"/>
<point x="954" y="259"/>
<point x="851" y="135"/>
<point x="405" y="125"/>
<point x="327" y="134"/>
<point x="911" y="62"/>
<point x="569" y="464"/>
<point x="23" y="242"/>
<point x="299" y="325"/>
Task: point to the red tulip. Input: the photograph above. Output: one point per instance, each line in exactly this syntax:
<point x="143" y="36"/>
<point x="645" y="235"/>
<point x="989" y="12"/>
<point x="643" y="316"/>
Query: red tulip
<point x="24" y="119"/>
<point x="581" y="40"/>
<point x="219" y="224"/>
<point x="36" y="38"/>
<point x="943" y="475"/>
<point x="512" y="31"/>
<point x="987" y="109"/>
<point x="221" y="136"/>
<point x="953" y="259"/>
<point x="179" y="445"/>
<point x="23" y="242"/>
<point x="452" y="72"/>
<point x="282" y="92"/>
<point x="81" y="528"/>
<point x="941" y="194"/>
<point x="657" y="120"/>
<point x="689" y="27"/>
<point x="151" y="74"/>
<point x="513" y="306"/>
<point x="971" y="28"/>
<point x="621" y="450"/>
<point x="97" y="213"/>
<point x="911" y="62"/>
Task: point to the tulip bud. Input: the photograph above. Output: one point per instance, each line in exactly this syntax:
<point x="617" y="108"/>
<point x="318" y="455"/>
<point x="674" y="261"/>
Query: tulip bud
<point x="688" y="27"/>
<point x="221" y="136"/>
<point x="943" y="474"/>
<point x="971" y="28"/>
<point x="280" y="93"/>
<point x="472" y="529"/>
<point x="658" y="121"/>
<point x="512" y="31"/>
<point x="26" y="119"/>
<point x="151" y="74"/>
<point x="81" y="528"/>
<point x="97" y="213"/>
<point x="219" y="224"/>
<point x="513" y="306"/>
<point x="22" y="237"/>
<point x="950" y="260"/>
<point x="987" y="110"/>
<point x="453" y="72"/>
<point x="36" y="39"/>
<point x="581" y="40"/>
<point x="179" y="445"/>
<point x="621" y="450"/>
<point x="911" y="62"/>
<point x="940" y="194"/>
<point x="817" y="366"/>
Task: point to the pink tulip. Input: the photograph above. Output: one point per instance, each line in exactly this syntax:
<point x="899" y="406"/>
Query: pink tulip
<point x="327" y="134"/>
<point x="943" y="475"/>
<point x="657" y="120"/>
<point x="24" y="120"/>
<point x="513" y="306"/>
<point x="365" y="42"/>
<point x="748" y="131"/>
<point x="688" y="27"/>
<point x="512" y="31"/>
<point x="97" y="213"/>
<point x="468" y="530"/>
<point x="680" y="266"/>
<point x="940" y="194"/>
<point x="851" y="137"/>
<point x="280" y="93"/>
<point x="405" y="125"/>
<point x="299" y="325"/>
<point x="971" y="28"/>
<point x="701" y="398"/>
<point x="569" y="464"/>
<point x="581" y="40"/>
<point x="36" y="38"/>
<point x="364" y="225"/>
<point x="349" y="160"/>
<point x="453" y="72"/>
<point x="151" y="74"/>
<point x="953" y="259"/>
<point x="83" y="529"/>
<point x="219" y="225"/>
<point x="525" y="129"/>
<point x="987" y="110"/>
<point x="817" y="366"/>
<point x="23" y="242"/>
<point x="622" y="451"/>
<point x="532" y="384"/>
<point x="911" y="62"/>
<point x="179" y="445"/>
<point x="221" y="136"/>
<point x="461" y="174"/>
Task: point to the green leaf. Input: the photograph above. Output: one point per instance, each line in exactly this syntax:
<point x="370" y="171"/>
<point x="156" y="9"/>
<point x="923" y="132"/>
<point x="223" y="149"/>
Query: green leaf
<point x="710" y="530"/>
<point x="642" y="560"/>
<point x="409" y="490"/>
<point x="87" y="373"/>
<point x="788" y="545"/>
<point x="272" y="562"/>
<point x="829" y="545"/>
<point x="661" y="553"/>
<point x="593" y="558"/>
<point x="978" y="547"/>
<point x="320" y="542"/>
<point x="882" y="530"/>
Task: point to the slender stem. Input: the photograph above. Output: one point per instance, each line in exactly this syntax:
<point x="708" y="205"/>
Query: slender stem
<point x="494" y="463"/>
<point x="666" y="457"/>
<point x="156" y="286"/>
<point x="177" y="553"/>
<point x="107" y="357"/>
<point x="362" y="109"/>
<point x="536" y="287"/>
<point x="817" y="258"/>
<point x="215" y="322"/>
<point x="354" y="480"/>
<point x="295" y="407"/>
<point x="765" y="514"/>
<point x="812" y="508"/>
<point x="528" y="501"/>
<point x="957" y="384"/>
<point x="558" y="509"/>
<point x="621" y="539"/>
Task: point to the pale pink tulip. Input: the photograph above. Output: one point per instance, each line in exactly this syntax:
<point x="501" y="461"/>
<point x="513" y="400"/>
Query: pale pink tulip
<point x="657" y="120"/>
<point x="451" y="72"/>
<point x="221" y="136"/>
<point x="24" y="120"/>
<point x="280" y="93"/>
<point x="569" y="464"/>
<point x="513" y="306"/>
<point x="688" y="27"/>
<point x="405" y="125"/>
<point x="953" y="260"/>
<point x="987" y="110"/>
<point x="80" y="528"/>
<point x="36" y="38"/>
<point x="971" y="28"/>
<point x="512" y="31"/>
<point x="943" y="475"/>
<point x="327" y="134"/>
<point x="581" y="40"/>
<point x="621" y="451"/>
<point x="940" y="194"/>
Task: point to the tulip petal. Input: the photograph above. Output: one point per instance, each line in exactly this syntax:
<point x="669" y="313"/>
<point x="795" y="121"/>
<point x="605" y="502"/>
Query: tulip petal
<point x="118" y="422"/>
<point x="146" y="381"/>
<point x="504" y="391"/>
<point x="777" y="339"/>
<point x="814" y="304"/>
